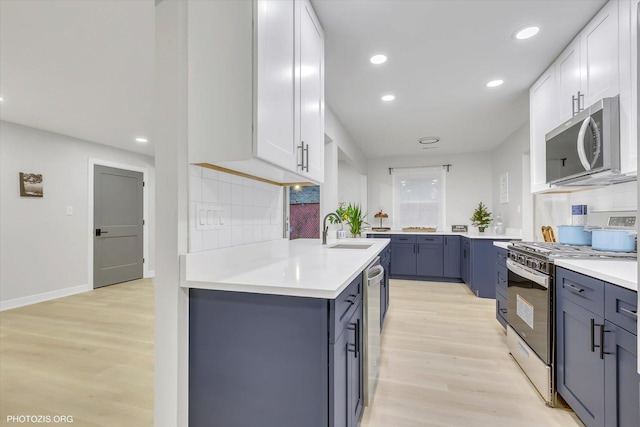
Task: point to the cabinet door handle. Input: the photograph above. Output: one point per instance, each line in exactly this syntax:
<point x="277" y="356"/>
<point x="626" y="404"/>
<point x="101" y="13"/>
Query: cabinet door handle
<point x="418" y="246"/>
<point x="633" y="313"/>
<point x="593" y="333"/>
<point x="356" y="345"/>
<point x="306" y="151"/>
<point x="602" y="332"/>
<point x="301" y="149"/>
<point x="580" y="104"/>
<point x="573" y="105"/>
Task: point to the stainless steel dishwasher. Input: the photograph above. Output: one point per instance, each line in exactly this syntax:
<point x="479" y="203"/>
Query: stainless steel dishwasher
<point x="373" y="275"/>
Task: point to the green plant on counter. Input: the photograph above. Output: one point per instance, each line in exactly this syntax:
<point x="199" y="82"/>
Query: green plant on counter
<point x="481" y="217"/>
<point x="351" y="215"/>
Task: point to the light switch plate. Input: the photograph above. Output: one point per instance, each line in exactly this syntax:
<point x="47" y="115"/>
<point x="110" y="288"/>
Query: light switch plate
<point x="69" y="210"/>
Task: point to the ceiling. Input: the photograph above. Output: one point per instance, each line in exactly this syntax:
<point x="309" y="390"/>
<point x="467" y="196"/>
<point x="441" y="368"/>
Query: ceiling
<point x="85" y="68"/>
<point x="80" y="68"/>
<point x="440" y="56"/>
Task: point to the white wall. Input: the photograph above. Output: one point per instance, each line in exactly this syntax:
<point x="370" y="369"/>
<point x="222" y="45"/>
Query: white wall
<point x="350" y="185"/>
<point x="45" y="251"/>
<point x="337" y="133"/>
<point x="469" y="182"/>
<point x="507" y="158"/>
<point x="247" y="211"/>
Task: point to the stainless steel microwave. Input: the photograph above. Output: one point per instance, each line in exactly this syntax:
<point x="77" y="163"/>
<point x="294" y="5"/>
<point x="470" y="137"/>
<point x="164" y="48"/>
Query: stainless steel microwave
<point x="585" y="150"/>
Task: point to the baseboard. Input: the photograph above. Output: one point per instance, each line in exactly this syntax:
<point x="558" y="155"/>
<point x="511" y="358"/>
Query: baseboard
<point x="150" y="274"/>
<point x="46" y="296"/>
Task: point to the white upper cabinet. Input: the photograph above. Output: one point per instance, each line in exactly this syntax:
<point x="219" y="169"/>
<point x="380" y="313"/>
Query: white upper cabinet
<point x="599" y="63"/>
<point x="311" y="105"/>
<point x="275" y="86"/>
<point x="599" y="55"/>
<point x="543" y="113"/>
<point x="256" y="88"/>
<point x="629" y="130"/>
<point x="568" y="76"/>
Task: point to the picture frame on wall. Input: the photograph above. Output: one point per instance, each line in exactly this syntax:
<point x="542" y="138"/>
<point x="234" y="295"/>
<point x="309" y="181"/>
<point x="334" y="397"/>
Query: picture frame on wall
<point x="31" y="185"/>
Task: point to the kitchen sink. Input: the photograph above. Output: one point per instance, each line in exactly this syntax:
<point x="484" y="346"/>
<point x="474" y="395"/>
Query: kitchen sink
<point x="351" y="246"/>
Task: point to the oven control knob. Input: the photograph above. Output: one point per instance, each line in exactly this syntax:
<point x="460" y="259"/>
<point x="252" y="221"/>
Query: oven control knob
<point x="521" y="259"/>
<point x="542" y="265"/>
<point x="535" y="264"/>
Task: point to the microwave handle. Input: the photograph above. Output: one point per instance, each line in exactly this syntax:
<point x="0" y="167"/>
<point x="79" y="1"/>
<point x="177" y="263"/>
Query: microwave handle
<point x="580" y="143"/>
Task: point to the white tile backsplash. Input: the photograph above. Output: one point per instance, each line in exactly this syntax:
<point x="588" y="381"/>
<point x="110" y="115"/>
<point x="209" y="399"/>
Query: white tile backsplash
<point x="246" y="210"/>
<point x="555" y="209"/>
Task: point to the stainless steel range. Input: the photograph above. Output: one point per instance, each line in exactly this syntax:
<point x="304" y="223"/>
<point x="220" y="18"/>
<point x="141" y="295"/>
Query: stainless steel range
<point x="530" y="302"/>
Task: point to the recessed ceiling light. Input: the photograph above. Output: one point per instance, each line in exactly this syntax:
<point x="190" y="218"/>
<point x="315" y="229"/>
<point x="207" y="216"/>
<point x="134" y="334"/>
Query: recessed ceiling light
<point x="378" y="59"/>
<point x="494" y="83"/>
<point x="526" y="33"/>
<point x="142" y="140"/>
<point x="429" y="140"/>
<point x="388" y="97"/>
<point x="1" y="99"/>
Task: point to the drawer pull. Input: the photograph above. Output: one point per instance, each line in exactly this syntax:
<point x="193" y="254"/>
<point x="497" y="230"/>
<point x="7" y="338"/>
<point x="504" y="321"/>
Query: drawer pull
<point x="575" y="289"/>
<point x="633" y="313"/>
<point x="503" y="310"/>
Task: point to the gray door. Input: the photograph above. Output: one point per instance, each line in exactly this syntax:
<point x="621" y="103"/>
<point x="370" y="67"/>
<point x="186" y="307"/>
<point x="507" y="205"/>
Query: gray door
<point x="117" y="219"/>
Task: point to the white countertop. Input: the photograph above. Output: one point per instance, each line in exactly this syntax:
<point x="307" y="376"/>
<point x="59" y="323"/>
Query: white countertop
<point x="503" y="245"/>
<point x="471" y="234"/>
<point x="302" y="267"/>
<point x="623" y="273"/>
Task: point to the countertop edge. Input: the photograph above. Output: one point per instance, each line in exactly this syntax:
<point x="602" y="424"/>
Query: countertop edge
<point x="449" y="233"/>
<point x="278" y="290"/>
<point x="597" y="274"/>
<point x="502" y="245"/>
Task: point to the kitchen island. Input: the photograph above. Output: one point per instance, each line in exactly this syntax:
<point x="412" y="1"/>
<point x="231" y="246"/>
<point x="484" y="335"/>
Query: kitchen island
<point x="276" y="333"/>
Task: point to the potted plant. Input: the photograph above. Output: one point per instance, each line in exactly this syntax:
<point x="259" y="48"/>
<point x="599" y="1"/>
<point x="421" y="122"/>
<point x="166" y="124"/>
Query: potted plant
<point x="353" y="216"/>
<point x="481" y="217"/>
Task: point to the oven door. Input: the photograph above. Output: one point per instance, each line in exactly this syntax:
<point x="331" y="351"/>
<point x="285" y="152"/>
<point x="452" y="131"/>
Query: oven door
<point x="529" y="308"/>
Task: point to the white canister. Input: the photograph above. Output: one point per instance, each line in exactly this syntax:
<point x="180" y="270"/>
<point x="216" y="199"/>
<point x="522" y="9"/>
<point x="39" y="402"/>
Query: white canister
<point x="579" y="214"/>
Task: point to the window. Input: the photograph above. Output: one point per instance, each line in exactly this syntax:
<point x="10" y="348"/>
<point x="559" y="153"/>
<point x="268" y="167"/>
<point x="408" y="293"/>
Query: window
<point x="418" y="197"/>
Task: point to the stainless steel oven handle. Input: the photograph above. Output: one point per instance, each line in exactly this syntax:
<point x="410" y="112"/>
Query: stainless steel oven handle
<point x="540" y="279"/>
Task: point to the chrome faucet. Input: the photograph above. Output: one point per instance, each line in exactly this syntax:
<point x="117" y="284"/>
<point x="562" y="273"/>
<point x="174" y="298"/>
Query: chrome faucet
<point x="325" y="227"/>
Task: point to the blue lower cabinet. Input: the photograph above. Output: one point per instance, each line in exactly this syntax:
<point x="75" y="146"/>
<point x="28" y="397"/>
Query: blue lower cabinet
<point x="452" y="262"/>
<point x="355" y="369"/>
<point x="596" y="358"/>
<point x="403" y="259"/>
<point x="580" y="371"/>
<point x="275" y="361"/>
<point x="501" y="309"/>
<point x="430" y="260"/>
<point x="621" y="379"/>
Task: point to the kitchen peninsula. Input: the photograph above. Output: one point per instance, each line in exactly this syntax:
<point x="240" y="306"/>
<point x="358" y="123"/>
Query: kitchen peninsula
<point x="276" y="333"/>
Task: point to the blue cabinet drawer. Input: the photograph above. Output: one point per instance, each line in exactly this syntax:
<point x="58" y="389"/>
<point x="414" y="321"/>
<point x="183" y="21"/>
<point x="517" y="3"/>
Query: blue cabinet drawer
<point x="501" y="257"/>
<point x="502" y="276"/>
<point x="434" y="240"/>
<point x="621" y="307"/>
<point x="342" y="308"/>
<point x="501" y="309"/>
<point x="403" y="238"/>
<point x="583" y="290"/>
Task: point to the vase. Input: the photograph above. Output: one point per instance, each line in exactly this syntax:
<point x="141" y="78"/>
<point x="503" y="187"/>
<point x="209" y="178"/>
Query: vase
<point x="481" y="229"/>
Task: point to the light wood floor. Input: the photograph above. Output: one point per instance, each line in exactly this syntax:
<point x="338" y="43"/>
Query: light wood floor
<point x="88" y="355"/>
<point x="444" y="361"/>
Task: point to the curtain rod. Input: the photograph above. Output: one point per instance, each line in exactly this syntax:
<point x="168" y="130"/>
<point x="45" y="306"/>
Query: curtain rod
<point x="448" y="166"/>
